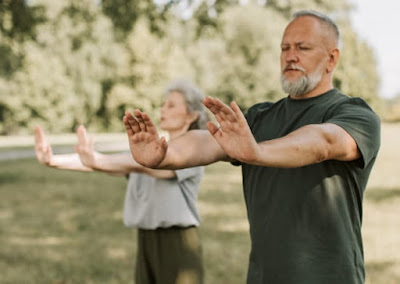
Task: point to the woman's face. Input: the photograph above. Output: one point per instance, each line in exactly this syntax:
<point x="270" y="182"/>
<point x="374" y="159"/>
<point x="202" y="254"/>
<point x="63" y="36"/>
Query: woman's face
<point x="175" y="118"/>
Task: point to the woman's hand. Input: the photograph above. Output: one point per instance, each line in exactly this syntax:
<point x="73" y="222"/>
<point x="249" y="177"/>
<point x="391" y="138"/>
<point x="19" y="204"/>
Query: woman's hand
<point x="43" y="151"/>
<point x="85" y="148"/>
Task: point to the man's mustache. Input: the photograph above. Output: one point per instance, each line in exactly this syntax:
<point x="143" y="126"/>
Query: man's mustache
<point x="293" y="67"/>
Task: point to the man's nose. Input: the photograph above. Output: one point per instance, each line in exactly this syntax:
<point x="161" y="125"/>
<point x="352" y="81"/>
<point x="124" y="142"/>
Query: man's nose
<point x="291" y="55"/>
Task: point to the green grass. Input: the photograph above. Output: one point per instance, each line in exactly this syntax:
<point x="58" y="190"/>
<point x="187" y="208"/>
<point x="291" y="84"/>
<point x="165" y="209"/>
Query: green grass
<point x="66" y="227"/>
<point x="62" y="226"/>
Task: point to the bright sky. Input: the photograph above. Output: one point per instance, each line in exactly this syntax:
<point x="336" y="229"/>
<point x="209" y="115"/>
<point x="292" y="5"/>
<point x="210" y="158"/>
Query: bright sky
<point x="378" y="22"/>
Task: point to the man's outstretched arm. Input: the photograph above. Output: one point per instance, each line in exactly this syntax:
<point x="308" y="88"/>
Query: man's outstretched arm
<point x="194" y="148"/>
<point x="307" y="145"/>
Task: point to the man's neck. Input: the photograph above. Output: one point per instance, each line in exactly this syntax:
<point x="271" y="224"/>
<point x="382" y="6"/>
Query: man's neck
<point x="317" y="91"/>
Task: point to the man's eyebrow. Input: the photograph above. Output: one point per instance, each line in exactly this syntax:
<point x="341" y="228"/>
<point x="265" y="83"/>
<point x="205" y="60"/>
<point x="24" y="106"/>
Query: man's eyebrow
<point x="296" y="43"/>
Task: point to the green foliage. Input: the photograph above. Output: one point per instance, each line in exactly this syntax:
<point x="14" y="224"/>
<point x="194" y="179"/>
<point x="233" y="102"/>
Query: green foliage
<point x="18" y="19"/>
<point x="288" y="7"/>
<point x="252" y="47"/>
<point x="87" y="62"/>
<point x="154" y="62"/>
<point x="125" y="13"/>
<point x="60" y="85"/>
<point x="18" y="22"/>
<point x="356" y="74"/>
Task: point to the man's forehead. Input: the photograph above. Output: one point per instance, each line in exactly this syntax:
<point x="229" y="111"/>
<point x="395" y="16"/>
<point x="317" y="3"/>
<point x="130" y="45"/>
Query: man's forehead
<point x="302" y="30"/>
<point x="301" y="39"/>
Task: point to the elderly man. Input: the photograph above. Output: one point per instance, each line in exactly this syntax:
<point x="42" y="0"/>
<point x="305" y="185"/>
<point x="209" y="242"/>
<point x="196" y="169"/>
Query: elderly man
<point x="305" y="161"/>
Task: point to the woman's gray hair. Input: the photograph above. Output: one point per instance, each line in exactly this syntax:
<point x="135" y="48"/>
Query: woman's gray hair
<point x="194" y="101"/>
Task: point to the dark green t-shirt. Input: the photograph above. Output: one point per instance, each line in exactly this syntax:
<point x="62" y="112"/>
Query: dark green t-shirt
<point x="305" y="223"/>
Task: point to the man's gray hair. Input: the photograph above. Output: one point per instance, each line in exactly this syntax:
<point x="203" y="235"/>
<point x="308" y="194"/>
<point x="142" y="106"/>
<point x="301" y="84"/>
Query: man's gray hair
<point x="324" y="19"/>
<point x="194" y="101"/>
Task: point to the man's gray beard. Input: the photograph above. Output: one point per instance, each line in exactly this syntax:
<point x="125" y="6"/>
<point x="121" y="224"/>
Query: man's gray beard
<point x="303" y="85"/>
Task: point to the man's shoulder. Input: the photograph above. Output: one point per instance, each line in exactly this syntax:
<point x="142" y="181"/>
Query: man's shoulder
<point x="255" y="110"/>
<point x="263" y="106"/>
<point x="343" y="99"/>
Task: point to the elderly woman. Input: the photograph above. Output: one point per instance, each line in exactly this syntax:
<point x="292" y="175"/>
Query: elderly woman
<point x="162" y="204"/>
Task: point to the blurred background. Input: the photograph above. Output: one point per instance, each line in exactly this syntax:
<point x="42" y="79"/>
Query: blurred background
<point x="64" y="63"/>
<point x="71" y="62"/>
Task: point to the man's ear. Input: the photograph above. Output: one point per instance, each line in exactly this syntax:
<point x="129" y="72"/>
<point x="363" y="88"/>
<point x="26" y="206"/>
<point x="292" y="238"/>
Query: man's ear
<point x="334" y="55"/>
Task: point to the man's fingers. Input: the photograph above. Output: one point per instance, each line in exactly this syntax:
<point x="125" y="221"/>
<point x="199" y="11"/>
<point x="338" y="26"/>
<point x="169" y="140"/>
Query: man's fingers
<point x="238" y="113"/>
<point x="163" y="144"/>
<point x="221" y="111"/>
<point x="150" y="127"/>
<point x="139" y="125"/>
<point x="230" y="119"/>
<point x="212" y="104"/>
<point x="128" y="127"/>
<point x="140" y="120"/>
<point x="212" y="128"/>
<point x="132" y="120"/>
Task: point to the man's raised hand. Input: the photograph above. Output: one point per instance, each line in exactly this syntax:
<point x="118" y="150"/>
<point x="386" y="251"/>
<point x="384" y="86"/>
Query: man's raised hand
<point x="233" y="133"/>
<point x="145" y="145"/>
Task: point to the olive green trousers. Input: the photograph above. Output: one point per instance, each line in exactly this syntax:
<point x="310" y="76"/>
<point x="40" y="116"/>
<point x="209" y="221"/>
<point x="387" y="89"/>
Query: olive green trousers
<point x="169" y="256"/>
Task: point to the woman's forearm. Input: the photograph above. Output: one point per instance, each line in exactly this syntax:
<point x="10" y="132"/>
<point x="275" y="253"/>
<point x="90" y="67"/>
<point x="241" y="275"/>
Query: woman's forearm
<point x="124" y="164"/>
<point x="68" y="162"/>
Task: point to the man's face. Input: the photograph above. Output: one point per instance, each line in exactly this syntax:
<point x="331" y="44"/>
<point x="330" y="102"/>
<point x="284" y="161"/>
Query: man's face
<point x="304" y="56"/>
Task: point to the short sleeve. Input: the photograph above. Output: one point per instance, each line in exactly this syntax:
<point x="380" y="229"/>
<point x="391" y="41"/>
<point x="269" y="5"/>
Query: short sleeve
<point x="188" y="173"/>
<point x="359" y="120"/>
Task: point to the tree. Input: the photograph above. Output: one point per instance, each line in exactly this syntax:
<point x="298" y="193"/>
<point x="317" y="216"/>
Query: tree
<point x="18" y="22"/>
<point x="84" y="61"/>
<point x="64" y="72"/>
<point x="154" y="62"/>
<point x="125" y="13"/>
<point x="18" y="19"/>
<point x="244" y="65"/>
<point x="356" y="73"/>
<point x="241" y="62"/>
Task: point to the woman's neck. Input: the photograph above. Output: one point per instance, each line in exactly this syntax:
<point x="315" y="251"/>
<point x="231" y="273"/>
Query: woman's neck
<point x="176" y="133"/>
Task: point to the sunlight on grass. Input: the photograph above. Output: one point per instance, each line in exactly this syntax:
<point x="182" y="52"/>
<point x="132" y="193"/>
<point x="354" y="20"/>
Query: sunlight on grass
<point x="381" y="222"/>
<point x="43" y="241"/>
<point x="117" y="253"/>
<point x="382" y="240"/>
<point x="386" y="170"/>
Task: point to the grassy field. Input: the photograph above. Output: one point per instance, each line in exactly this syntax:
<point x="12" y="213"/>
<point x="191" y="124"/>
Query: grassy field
<point x="62" y="227"/>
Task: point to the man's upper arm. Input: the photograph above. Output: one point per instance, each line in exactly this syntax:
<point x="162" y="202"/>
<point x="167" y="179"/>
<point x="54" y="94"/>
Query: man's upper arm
<point x="358" y="120"/>
<point x="342" y="145"/>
